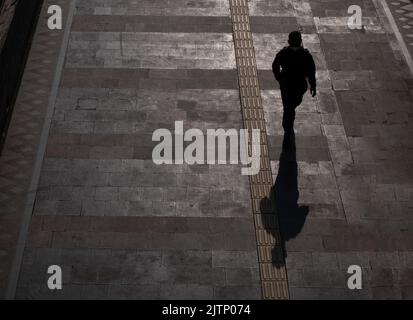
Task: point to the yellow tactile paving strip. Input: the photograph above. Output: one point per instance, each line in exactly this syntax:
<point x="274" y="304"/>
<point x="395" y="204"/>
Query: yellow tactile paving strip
<point x="272" y="266"/>
<point x="22" y="145"/>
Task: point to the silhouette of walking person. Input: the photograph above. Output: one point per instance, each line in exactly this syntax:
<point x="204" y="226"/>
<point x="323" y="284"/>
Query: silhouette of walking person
<point x="292" y="66"/>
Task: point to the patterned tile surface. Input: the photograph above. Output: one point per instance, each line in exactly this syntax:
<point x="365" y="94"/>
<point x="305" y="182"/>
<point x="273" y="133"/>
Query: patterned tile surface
<point x="20" y="150"/>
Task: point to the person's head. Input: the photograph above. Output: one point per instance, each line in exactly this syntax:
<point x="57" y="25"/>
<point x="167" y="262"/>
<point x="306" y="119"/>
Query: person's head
<point x="295" y="39"/>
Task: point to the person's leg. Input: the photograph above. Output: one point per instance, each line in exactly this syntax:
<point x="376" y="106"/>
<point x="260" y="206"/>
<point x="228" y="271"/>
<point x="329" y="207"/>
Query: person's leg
<point x="289" y="114"/>
<point x="290" y="102"/>
<point x="288" y="121"/>
<point x="288" y="118"/>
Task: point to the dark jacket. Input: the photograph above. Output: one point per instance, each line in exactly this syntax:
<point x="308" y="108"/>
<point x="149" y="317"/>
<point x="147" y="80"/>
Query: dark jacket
<point x="292" y="66"/>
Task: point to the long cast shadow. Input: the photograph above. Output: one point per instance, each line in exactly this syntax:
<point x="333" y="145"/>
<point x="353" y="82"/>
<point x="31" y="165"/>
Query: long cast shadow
<point x="283" y="201"/>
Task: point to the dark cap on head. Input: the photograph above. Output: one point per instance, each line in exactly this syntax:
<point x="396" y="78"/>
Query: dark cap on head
<point x="295" y="39"/>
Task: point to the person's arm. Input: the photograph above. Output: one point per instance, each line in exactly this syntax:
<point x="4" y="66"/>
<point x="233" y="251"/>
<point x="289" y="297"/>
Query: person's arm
<point x="276" y="65"/>
<point x="311" y="75"/>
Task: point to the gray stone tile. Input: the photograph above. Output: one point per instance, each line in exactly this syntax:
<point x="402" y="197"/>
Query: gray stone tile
<point x="186" y="292"/>
<point x="233" y="259"/>
<point x="237" y="293"/>
<point x="156" y="8"/>
<point x="129" y="292"/>
<point x="151" y="50"/>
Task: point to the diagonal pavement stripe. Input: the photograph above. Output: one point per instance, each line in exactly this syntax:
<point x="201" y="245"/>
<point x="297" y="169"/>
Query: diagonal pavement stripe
<point x="397" y="33"/>
<point x="31" y="195"/>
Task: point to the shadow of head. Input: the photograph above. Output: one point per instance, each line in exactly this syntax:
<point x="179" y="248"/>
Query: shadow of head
<point x="281" y="214"/>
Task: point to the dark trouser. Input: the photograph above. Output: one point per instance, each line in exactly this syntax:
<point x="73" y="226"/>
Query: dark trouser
<point x="292" y="96"/>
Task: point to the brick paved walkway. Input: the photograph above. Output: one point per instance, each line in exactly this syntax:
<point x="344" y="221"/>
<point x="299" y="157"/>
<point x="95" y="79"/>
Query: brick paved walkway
<point x="403" y="14"/>
<point x="23" y="138"/>
<point x="120" y="227"/>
